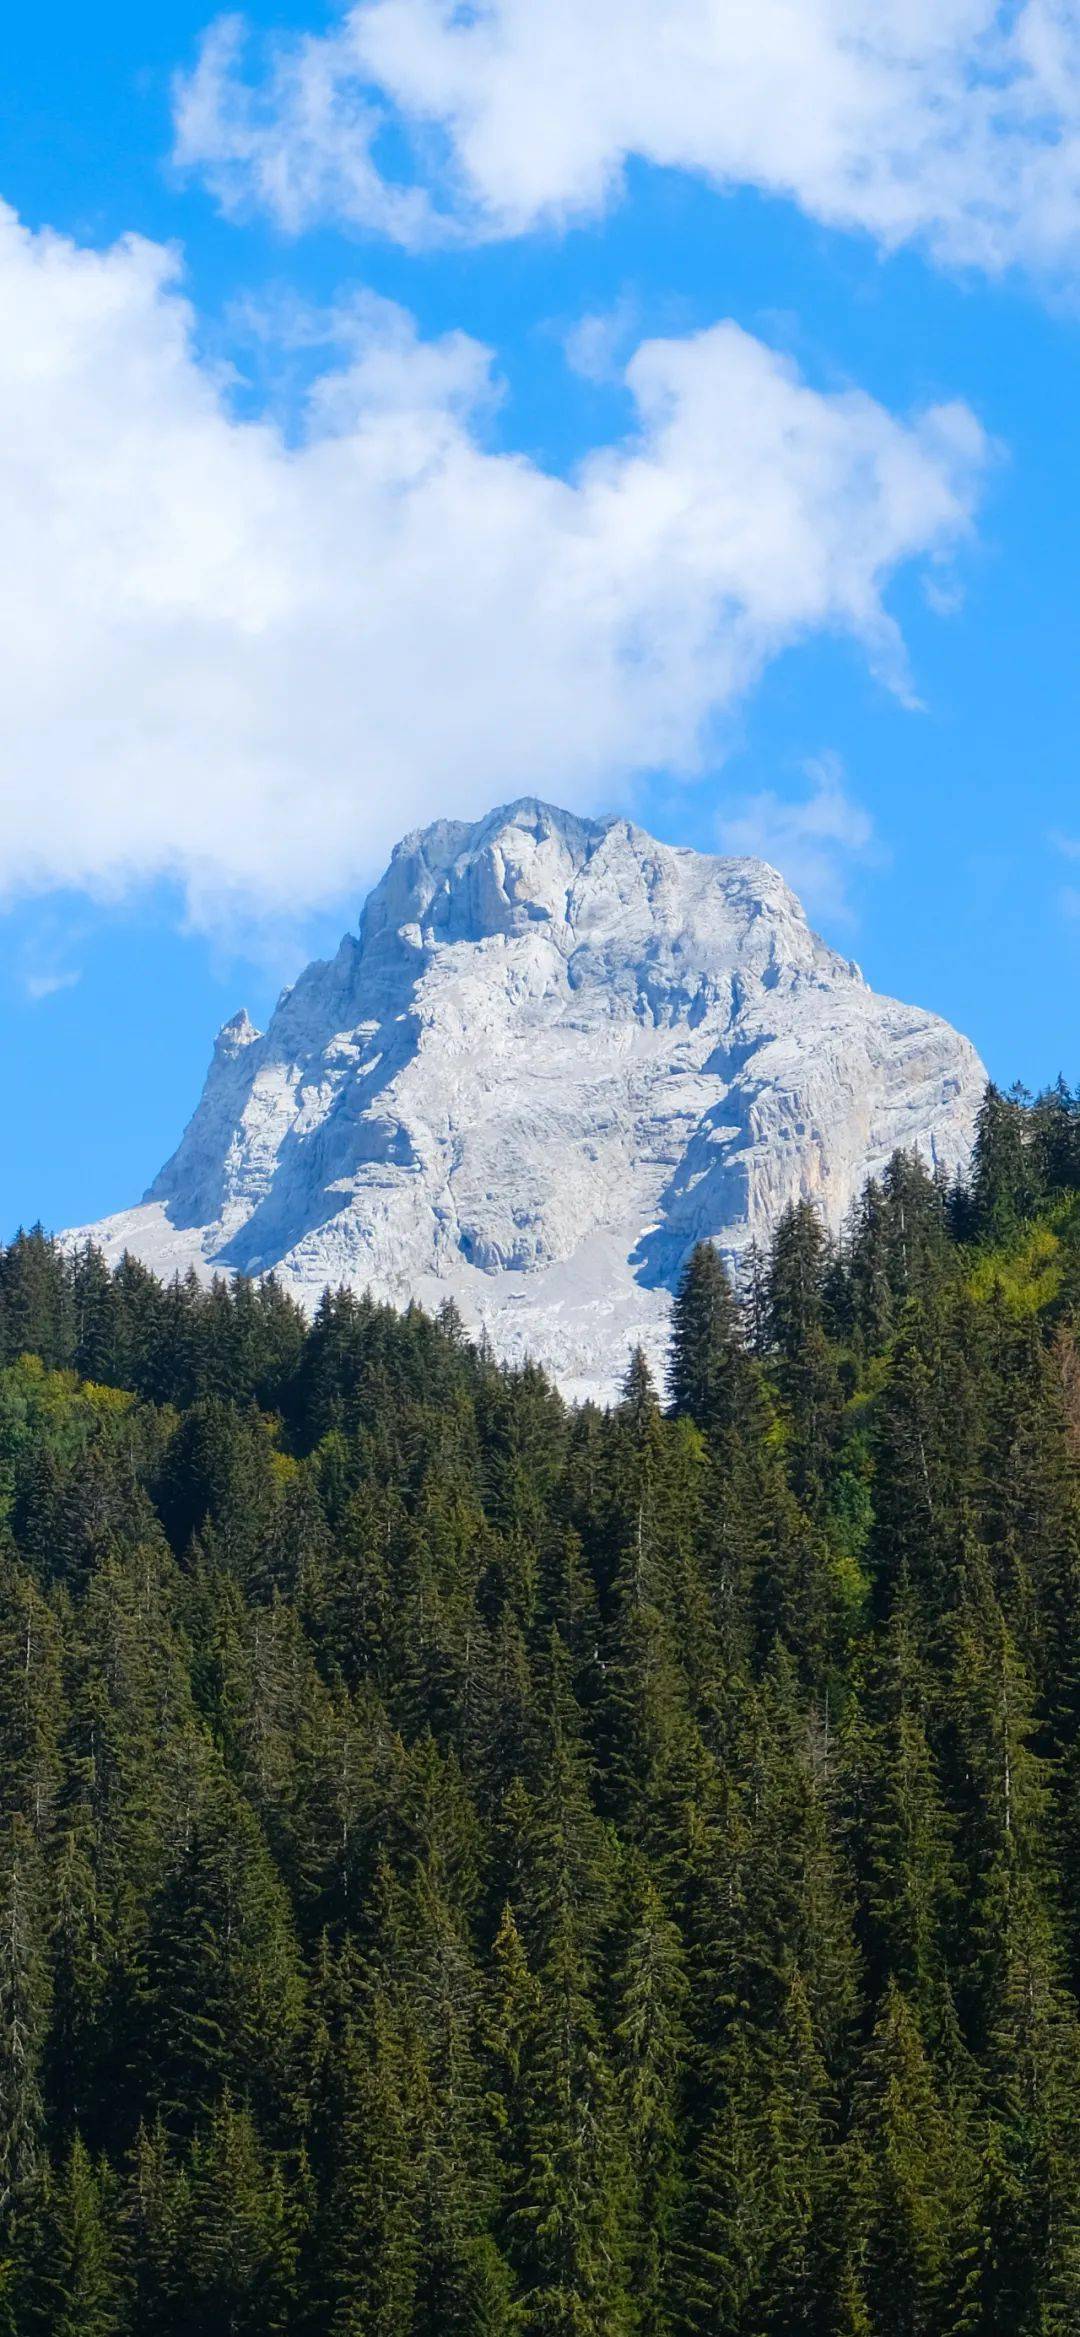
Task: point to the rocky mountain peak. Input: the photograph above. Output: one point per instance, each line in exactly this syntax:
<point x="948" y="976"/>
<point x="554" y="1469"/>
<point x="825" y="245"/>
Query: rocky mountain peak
<point x="236" y="1034"/>
<point x="528" y="864"/>
<point x="554" y="1055"/>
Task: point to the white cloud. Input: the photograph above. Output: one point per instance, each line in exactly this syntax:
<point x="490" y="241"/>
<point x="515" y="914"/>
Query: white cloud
<point x="814" y="841"/>
<point x="954" y="121"/>
<point x="297" y="145"/>
<point x="596" y="346"/>
<point x="251" y="664"/>
<point x="46" y="984"/>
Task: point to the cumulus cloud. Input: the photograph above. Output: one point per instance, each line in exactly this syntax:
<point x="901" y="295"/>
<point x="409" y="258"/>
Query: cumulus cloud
<point x="954" y="121"/>
<point x="250" y="663"/>
<point x="815" y="840"/>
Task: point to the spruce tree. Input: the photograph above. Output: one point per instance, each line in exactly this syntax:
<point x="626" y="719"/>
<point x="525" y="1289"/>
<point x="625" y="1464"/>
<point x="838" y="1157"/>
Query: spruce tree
<point x="708" y="1372"/>
<point x="81" y="2285"/>
<point x="805" y="1367"/>
<point x="1005" y="1169"/>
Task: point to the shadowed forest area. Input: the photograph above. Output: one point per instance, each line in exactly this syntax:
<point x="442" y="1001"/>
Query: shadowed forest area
<point x="474" y="1867"/>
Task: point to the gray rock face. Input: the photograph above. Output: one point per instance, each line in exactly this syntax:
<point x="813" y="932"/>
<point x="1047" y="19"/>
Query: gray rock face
<point x="556" y="1055"/>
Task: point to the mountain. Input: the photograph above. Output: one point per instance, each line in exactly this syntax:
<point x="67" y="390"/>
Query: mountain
<point x="556" y="1054"/>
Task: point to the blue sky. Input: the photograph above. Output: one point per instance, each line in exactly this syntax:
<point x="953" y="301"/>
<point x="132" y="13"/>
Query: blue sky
<point x="251" y="638"/>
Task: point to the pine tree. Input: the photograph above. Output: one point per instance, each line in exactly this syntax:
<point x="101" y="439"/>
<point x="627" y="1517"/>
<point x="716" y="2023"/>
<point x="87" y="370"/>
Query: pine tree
<point x="910" y="2180"/>
<point x="367" y="2258"/>
<point x="95" y="1311"/>
<point x="224" y="1988"/>
<point x="1055" y="1136"/>
<point x="568" y="2217"/>
<point x="805" y="1368"/>
<point x="649" y="2038"/>
<point x="708" y="1379"/>
<point x="152" y="2212"/>
<point x="236" y="2242"/>
<point x="1004" y="1185"/>
<point x="81" y="2285"/>
<point x="24" y="2005"/>
<point x="36" y="1310"/>
<point x="906" y="1854"/>
<point x="31" y="1699"/>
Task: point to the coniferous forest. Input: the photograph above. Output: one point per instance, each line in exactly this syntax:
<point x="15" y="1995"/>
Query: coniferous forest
<point x="471" y="1866"/>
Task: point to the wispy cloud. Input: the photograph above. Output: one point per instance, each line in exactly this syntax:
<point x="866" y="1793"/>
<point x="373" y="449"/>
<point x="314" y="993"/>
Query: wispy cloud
<point x="597" y="346"/>
<point x="1068" y="895"/>
<point x="815" y="840"/>
<point x="37" y="986"/>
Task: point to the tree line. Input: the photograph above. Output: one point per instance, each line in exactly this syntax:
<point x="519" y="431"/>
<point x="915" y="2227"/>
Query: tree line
<point x="472" y="1866"/>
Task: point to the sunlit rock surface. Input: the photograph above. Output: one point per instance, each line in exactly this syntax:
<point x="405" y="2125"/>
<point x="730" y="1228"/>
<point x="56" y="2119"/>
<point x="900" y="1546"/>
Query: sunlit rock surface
<point x="556" y="1054"/>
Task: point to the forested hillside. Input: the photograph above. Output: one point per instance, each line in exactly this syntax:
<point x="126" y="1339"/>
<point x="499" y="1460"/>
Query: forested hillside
<point x="473" y="1867"/>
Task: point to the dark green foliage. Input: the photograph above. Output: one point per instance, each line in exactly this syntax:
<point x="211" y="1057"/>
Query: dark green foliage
<point x="77" y="2278"/>
<point x="1006" y="1182"/>
<point x="708" y="1371"/>
<point x="806" y="1367"/>
<point x="469" y="1869"/>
